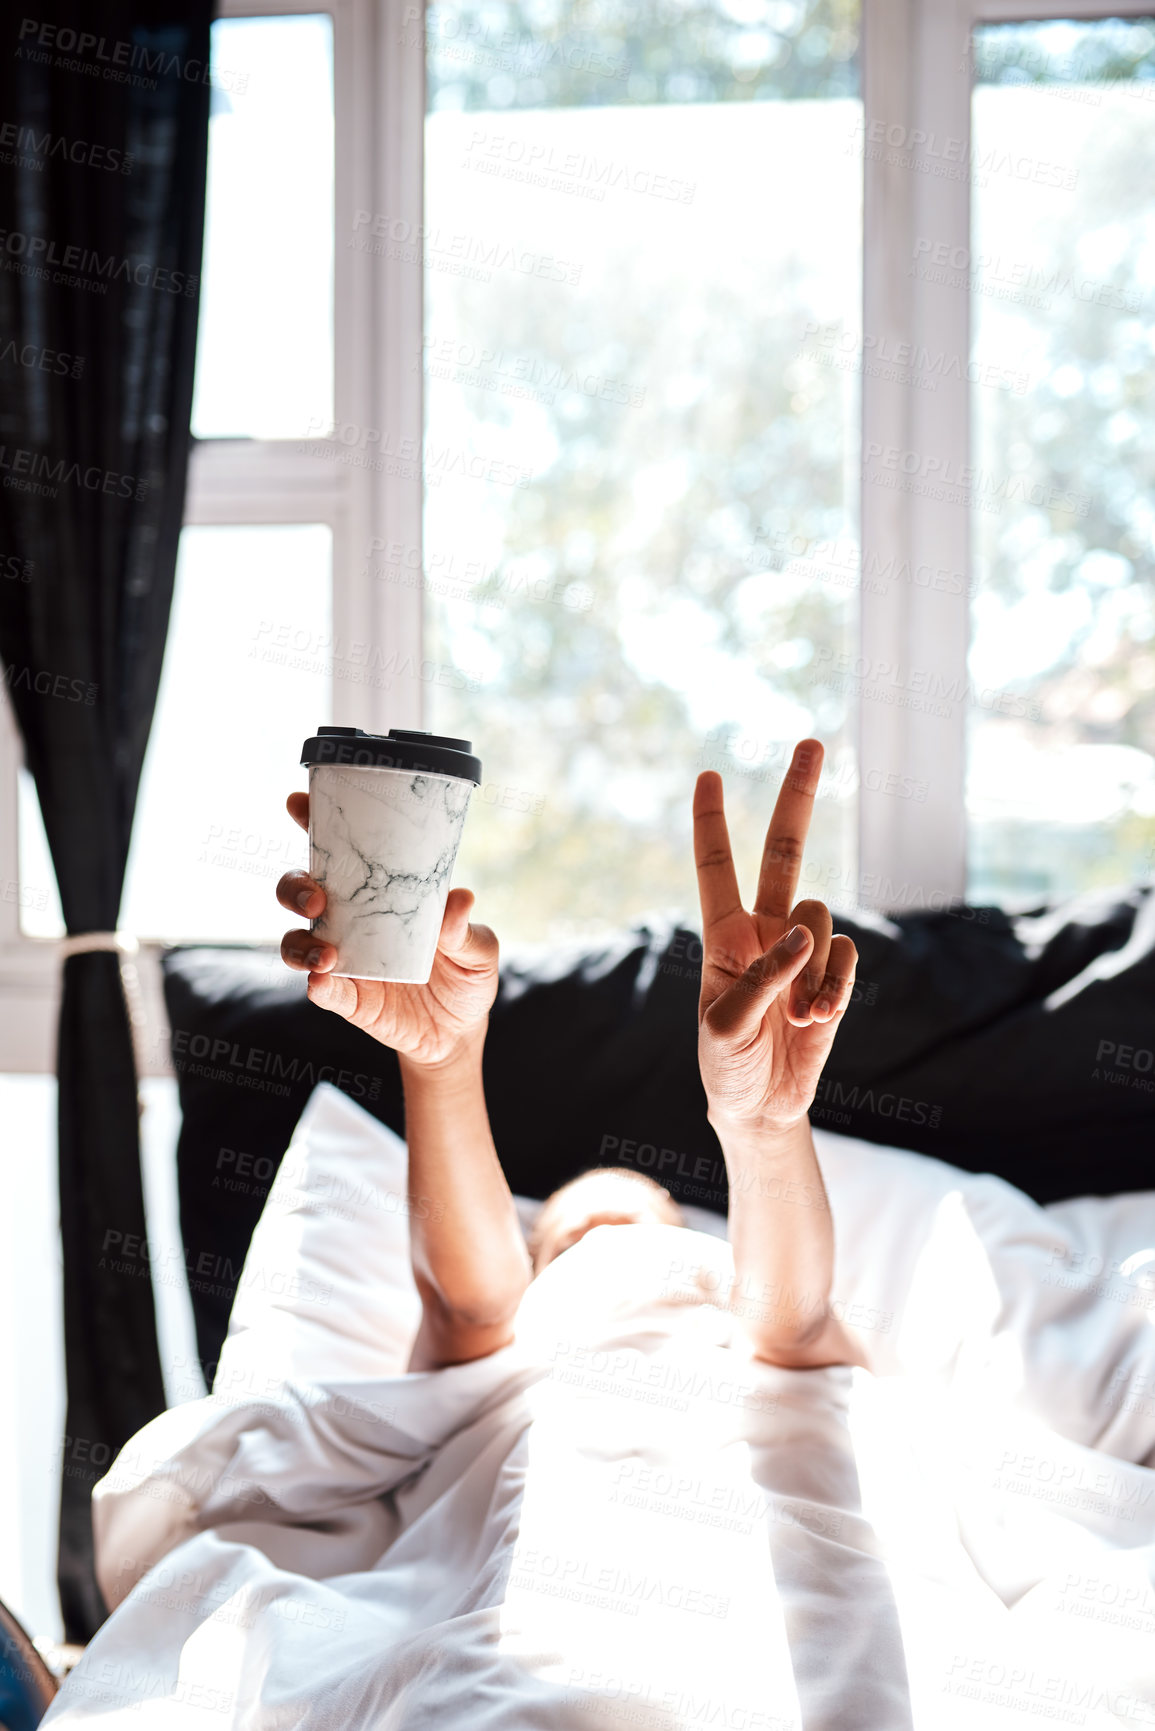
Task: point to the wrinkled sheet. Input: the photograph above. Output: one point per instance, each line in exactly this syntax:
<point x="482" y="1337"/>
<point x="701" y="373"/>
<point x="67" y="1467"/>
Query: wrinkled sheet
<point x="623" y="1520"/>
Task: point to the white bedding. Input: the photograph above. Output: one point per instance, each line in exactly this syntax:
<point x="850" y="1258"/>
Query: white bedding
<point x="621" y="1520"/>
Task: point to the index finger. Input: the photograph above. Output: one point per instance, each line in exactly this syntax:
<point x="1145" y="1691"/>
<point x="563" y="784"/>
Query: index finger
<point x="786" y="836"/>
<point x="717" y="880"/>
<point x="297" y="806"/>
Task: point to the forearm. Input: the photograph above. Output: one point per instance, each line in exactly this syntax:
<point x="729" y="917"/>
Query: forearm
<point x="469" y="1258"/>
<point x="782" y="1235"/>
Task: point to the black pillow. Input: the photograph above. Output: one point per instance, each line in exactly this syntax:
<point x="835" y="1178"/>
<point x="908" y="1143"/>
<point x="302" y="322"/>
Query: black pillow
<point x="1021" y="1045"/>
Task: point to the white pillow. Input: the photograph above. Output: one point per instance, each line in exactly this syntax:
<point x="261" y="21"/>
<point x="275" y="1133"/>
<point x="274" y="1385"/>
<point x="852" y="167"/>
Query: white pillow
<point x="327" y="1291"/>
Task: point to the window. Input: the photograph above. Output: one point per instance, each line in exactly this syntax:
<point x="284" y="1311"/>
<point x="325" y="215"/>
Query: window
<point x="265" y="337"/>
<point x="641" y="361"/>
<point x="1061" y="785"/>
<point x="562" y="263"/>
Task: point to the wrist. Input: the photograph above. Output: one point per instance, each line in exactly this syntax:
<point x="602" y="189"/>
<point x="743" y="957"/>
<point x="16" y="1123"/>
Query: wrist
<point x="757" y="1135"/>
<point x="462" y="1059"/>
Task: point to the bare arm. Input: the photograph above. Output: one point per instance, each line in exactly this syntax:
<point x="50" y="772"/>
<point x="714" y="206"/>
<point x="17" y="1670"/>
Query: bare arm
<point x="783" y="1241"/>
<point x="469" y="1257"/>
<point x="775" y="985"/>
<point x="470" y="1263"/>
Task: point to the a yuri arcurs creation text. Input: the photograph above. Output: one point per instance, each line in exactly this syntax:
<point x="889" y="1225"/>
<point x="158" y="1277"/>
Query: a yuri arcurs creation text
<point x="386" y="812"/>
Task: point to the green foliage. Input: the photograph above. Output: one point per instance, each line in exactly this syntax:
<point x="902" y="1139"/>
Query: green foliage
<point x="667" y="514"/>
<point x="1061" y="52"/>
<point x="509" y="54"/>
<point x="1080" y="435"/>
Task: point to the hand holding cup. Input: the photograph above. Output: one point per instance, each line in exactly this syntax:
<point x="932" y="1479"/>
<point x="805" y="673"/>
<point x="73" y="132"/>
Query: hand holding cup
<point x="427" y="1024"/>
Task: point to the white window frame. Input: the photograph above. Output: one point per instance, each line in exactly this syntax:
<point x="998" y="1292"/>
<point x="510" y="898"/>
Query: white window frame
<point x="915" y="76"/>
<point x="379" y="104"/>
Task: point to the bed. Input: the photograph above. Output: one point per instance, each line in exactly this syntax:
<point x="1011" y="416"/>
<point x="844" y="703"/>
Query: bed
<point x="962" y="1535"/>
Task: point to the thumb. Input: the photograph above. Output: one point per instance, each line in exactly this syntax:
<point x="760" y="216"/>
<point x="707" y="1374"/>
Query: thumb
<point x="737" y="1013"/>
<point x="471" y="946"/>
<point x="454" y="934"/>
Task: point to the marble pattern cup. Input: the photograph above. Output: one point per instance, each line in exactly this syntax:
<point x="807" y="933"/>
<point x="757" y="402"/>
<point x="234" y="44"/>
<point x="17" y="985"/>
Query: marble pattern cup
<point x="382" y="843"/>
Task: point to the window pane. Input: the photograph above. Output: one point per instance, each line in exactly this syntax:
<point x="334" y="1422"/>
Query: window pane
<point x="643" y="280"/>
<point x="1061" y="790"/>
<point x="247" y="677"/>
<point x="265" y="345"/>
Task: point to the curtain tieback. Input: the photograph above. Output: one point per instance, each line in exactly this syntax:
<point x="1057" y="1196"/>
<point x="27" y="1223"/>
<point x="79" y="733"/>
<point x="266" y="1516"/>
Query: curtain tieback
<point x="81" y="942"/>
<point x="127" y="948"/>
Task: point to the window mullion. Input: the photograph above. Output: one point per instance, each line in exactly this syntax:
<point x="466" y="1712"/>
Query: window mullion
<point x="390" y="549"/>
<point x="916" y="453"/>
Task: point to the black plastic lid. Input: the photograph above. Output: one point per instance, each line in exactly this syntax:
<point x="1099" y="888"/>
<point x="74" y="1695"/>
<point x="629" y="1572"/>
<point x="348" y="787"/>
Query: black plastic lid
<point x="400" y="748"/>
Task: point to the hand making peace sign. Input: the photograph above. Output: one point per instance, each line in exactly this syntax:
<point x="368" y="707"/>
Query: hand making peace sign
<point x="775" y="983"/>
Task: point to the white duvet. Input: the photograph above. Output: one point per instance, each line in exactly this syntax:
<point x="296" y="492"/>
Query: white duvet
<point x="622" y="1520"/>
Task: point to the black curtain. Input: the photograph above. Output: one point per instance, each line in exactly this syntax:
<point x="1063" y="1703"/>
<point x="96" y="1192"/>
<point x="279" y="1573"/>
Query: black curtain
<point x="103" y="143"/>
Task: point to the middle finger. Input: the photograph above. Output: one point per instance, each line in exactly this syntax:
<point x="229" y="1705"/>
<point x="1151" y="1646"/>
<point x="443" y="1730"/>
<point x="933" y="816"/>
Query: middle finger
<point x="786" y="836"/>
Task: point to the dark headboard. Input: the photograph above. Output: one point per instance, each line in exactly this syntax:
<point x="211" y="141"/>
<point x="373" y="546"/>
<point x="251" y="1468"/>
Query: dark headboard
<point x="1021" y="1045"/>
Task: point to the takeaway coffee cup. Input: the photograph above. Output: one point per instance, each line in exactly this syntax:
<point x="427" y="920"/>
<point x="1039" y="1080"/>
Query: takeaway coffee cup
<point x="386" y="811"/>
